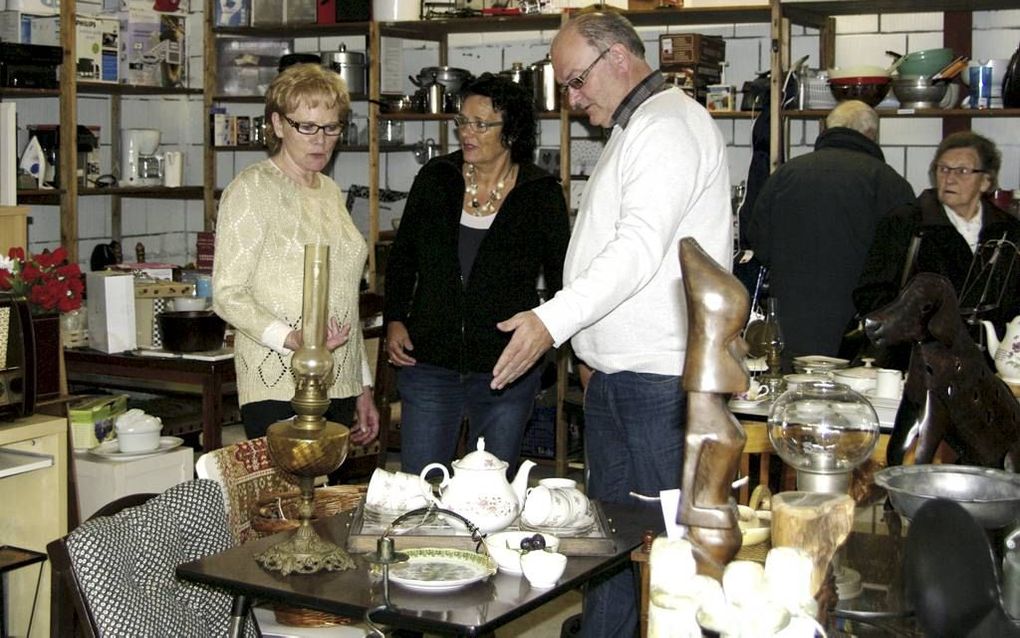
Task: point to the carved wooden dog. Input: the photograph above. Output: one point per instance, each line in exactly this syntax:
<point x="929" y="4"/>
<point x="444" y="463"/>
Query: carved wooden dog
<point x="950" y="394"/>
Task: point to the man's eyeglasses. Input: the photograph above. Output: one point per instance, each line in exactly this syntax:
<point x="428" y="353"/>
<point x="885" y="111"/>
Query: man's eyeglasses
<point x="311" y="128"/>
<point x="959" y="171"/>
<point x="578" y="80"/>
<point x="477" y="126"/>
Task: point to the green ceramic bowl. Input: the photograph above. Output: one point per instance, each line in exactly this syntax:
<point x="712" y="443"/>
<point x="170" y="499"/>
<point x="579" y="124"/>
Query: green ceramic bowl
<point x="926" y="62"/>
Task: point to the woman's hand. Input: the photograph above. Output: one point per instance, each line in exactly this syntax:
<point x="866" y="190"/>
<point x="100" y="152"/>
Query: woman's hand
<point x="367" y="426"/>
<point x="336" y="336"/>
<point x="398" y="343"/>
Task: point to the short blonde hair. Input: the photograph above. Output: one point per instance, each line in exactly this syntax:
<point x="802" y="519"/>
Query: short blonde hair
<point x="309" y="84"/>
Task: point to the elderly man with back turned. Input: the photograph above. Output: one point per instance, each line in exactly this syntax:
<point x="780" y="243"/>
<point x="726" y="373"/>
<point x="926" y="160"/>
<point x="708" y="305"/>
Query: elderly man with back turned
<point x="662" y="176"/>
<point x="813" y="224"/>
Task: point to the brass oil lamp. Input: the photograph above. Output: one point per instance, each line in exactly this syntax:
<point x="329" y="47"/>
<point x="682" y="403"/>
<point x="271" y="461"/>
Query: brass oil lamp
<point x="307" y="445"/>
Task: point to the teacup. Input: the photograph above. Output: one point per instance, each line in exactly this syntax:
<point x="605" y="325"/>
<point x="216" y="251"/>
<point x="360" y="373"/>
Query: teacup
<point x="394" y="491"/>
<point x="755" y="392"/>
<point x="554" y="503"/>
<point x="543" y="569"/>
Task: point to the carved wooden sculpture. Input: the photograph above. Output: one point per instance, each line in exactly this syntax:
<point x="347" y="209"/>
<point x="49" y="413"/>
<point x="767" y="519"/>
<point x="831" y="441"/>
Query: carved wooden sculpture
<point x="950" y="394"/>
<point x="717" y="308"/>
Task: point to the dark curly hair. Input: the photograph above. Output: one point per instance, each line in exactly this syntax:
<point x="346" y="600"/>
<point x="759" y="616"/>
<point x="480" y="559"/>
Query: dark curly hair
<point x="517" y="106"/>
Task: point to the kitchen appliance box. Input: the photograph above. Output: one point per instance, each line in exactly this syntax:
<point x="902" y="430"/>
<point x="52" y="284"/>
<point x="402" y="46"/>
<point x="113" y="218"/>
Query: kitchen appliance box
<point x="35" y="7"/>
<point x="92" y="418"/>
<point x="152" y="51"/>
<point x="677" y="49"/>
<point x="97" y="43"/>
<point x="101" y="481"/>
<point x="179" y="7"/>
<point x="15" y="26"/>
<point x="270" y="12"/>
<point x="111" y="311"/>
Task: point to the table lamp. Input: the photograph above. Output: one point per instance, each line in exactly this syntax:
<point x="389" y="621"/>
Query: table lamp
<point x="307" y="445"/>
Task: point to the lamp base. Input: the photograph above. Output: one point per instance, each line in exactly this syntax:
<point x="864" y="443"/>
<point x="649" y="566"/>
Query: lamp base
<point x="827" y="482"/>
<point x="305" y="553"/>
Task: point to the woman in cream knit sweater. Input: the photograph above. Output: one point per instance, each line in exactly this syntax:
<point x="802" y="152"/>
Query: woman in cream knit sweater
<point x="267" y="215"/>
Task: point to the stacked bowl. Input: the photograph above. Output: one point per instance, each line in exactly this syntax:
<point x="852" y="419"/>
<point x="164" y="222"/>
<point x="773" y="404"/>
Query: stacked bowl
<point x="869" y="84"/>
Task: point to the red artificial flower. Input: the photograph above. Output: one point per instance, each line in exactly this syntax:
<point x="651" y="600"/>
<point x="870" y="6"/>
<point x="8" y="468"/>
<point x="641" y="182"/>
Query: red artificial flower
<point x="48" y="282"/>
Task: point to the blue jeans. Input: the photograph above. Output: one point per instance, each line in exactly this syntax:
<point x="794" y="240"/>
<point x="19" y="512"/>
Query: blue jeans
<point x="634" y="436"/>
<point x="434" y="400"/>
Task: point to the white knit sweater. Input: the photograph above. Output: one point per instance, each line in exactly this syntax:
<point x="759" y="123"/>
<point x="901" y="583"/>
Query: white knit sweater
<point x="662" y="178"/>
<point x="265" y="219"/>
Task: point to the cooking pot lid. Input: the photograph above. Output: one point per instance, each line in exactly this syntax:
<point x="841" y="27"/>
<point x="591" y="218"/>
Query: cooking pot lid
<point x="480" y="459"/>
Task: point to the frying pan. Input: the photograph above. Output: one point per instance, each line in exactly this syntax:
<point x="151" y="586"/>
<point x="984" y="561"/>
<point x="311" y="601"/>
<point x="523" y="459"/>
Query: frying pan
<point x="950" y="575"/>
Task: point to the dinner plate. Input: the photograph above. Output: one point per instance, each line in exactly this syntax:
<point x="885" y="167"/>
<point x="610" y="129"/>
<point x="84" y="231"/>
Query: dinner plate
<point x="746" y="404"/>
<point x="110" y="450"/>
<point x="439" y="570"/>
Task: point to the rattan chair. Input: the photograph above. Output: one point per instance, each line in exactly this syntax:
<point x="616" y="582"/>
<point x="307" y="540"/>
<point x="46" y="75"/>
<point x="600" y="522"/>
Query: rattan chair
<point x="117" y="569"/>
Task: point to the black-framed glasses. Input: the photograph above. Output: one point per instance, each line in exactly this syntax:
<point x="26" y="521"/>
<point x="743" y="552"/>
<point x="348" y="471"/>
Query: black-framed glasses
<point x="478" y="126"/>
<point x="959" y="171"/>
<point x="578" y="80"/>
<point x="311" y="128"/>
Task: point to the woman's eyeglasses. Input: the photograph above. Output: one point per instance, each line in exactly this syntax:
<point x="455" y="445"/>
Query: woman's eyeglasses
<point x="478" y="126"/>
<point x="959" y="171"/>
<point x="311" y="128"/>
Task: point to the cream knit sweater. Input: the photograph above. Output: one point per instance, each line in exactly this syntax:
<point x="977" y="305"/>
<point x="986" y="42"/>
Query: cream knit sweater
<point x="265" y="220"/>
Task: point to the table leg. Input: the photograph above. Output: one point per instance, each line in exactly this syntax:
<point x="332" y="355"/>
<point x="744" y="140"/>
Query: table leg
<point x="212" y="413"/>
<point x="239" y="611"/>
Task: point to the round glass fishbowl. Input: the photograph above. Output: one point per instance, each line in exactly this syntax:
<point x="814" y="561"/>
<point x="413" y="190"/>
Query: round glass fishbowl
<point x="824" y="430"/>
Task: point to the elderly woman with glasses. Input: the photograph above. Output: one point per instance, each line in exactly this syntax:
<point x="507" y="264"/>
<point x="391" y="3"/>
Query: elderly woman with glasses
<point x="947" y="229"/>
<point x="479" y="228"/>
<point x="267" y="215"/>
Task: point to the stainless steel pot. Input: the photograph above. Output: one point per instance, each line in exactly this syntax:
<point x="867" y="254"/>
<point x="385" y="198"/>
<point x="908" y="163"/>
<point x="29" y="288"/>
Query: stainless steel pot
<point x="450" y="77"/>
<point x="433" y="97"/>
<point x="547" y="94"/>
<point x="350" y="65"/>
<point x="518" y="74"/>
<point x="397" y="104"/>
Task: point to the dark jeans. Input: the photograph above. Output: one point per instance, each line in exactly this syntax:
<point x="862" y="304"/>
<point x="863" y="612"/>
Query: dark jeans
<point x="434" y="400"/>
<point x="258" y="416"/>
<point x="634" y="436"/>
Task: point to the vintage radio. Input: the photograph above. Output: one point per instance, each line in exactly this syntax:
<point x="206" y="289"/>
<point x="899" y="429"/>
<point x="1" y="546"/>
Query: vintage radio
<point x="17" y="356"/>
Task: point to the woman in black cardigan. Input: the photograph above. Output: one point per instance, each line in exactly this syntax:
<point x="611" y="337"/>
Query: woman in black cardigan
<point x="954" y="220"/>
<point x="479" y="227"/>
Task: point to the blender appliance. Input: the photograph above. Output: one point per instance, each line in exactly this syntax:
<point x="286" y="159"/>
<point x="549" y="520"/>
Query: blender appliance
<point x="140" y="164"/>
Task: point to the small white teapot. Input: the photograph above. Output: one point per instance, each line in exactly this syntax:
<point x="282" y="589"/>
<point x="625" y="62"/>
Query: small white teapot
<point x="479" y="490"/>
<point x="1007" y="351"/>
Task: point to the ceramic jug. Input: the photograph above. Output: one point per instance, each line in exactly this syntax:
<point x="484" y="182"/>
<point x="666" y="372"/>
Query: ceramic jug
<point x="479" y="490"/>
<point x="1007" y="351"/>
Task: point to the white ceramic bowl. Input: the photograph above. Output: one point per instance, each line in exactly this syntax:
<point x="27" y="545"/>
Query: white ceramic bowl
<point x="543" y="569"/>
<point x="137" y="431"/>
<point x="185" y="304"/>
<point x="505" y="548"/>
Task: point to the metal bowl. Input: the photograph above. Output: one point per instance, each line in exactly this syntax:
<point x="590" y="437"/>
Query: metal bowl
<point x="918" y="91"/>
<point x="991" y="496"/>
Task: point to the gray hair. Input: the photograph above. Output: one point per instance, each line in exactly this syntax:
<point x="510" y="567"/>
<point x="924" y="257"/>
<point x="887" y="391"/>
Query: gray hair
<point x="988" y="154"/>
<point x="603" y="29"/>
<point x="856" y="115"/>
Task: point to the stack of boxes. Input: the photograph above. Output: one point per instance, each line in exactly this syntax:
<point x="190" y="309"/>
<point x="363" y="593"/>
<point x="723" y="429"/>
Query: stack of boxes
<point x="258" y="13"/>
<point x="693" y="61"/>
<point x="137" y="42"/>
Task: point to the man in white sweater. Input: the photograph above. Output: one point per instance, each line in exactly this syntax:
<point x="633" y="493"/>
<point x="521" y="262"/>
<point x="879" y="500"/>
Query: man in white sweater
<point x="662" y="176"/>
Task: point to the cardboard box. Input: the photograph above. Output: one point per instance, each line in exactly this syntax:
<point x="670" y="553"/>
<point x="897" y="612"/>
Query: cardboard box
<point x="232" y="13"/>
<point x="246" y="66"/>
<point x="97" y="43"/>
<point x="101" y="481"/>
<point x="720" y="97"/>
<point x="15" y="26"/>
<point x="690" y="48"/>
<point x="111" y="308"/>
<point x="648" y="5"/>
<point x="152" y="51"/>
<point x="35" y="7"/>
<point x="152" y="298"/>
<point x="92" y="417"/>
<point x="179" y="7"/>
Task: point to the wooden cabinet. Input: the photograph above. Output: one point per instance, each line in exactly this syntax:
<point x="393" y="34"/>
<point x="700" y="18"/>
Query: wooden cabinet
<point x="33" y="490"/>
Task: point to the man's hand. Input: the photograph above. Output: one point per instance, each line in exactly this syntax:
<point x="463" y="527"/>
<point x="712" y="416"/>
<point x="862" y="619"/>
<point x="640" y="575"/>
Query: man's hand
<point x="367" y="426"/>
<point x="529" y="342"/>
<point x="398" y="344"/>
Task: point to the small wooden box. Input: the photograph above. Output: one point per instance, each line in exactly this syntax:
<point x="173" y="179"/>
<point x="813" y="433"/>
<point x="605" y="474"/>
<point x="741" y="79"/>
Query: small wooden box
<point x="690" y="48"/>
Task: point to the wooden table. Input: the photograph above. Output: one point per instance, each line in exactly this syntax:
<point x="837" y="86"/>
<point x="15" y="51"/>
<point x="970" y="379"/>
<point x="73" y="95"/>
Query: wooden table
<point x="476" y="610"/>
<point x="210" y="380"/>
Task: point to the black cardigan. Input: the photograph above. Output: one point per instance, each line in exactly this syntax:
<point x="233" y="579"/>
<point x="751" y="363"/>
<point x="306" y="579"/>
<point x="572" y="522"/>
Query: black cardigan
<point x="452" y="323"/>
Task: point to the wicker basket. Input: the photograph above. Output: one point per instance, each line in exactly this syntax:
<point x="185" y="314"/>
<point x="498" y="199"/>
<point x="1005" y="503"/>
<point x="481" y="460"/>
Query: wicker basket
<point x="278" y="513"/>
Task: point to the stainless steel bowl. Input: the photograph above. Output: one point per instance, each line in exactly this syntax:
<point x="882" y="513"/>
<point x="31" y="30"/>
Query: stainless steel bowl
<point x="991" y="496"/>
<point x="918" y="91"/>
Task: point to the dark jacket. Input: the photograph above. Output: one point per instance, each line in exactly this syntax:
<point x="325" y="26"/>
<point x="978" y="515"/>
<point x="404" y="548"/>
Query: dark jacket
<point x="943" y="251"/>
<point x="812" y="226"/>
<point x="452" y="323"/>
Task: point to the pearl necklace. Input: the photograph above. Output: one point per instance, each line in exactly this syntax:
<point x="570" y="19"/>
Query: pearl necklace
<point x="495" y="195"/>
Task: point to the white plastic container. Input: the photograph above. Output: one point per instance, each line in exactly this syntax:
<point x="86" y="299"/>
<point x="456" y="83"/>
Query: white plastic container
<point x="394" y="10"/>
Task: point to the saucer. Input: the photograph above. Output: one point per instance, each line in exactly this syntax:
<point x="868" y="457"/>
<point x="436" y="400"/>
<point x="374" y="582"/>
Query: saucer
<point x="747" y="404"/>
<point x="110" y="450"/>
